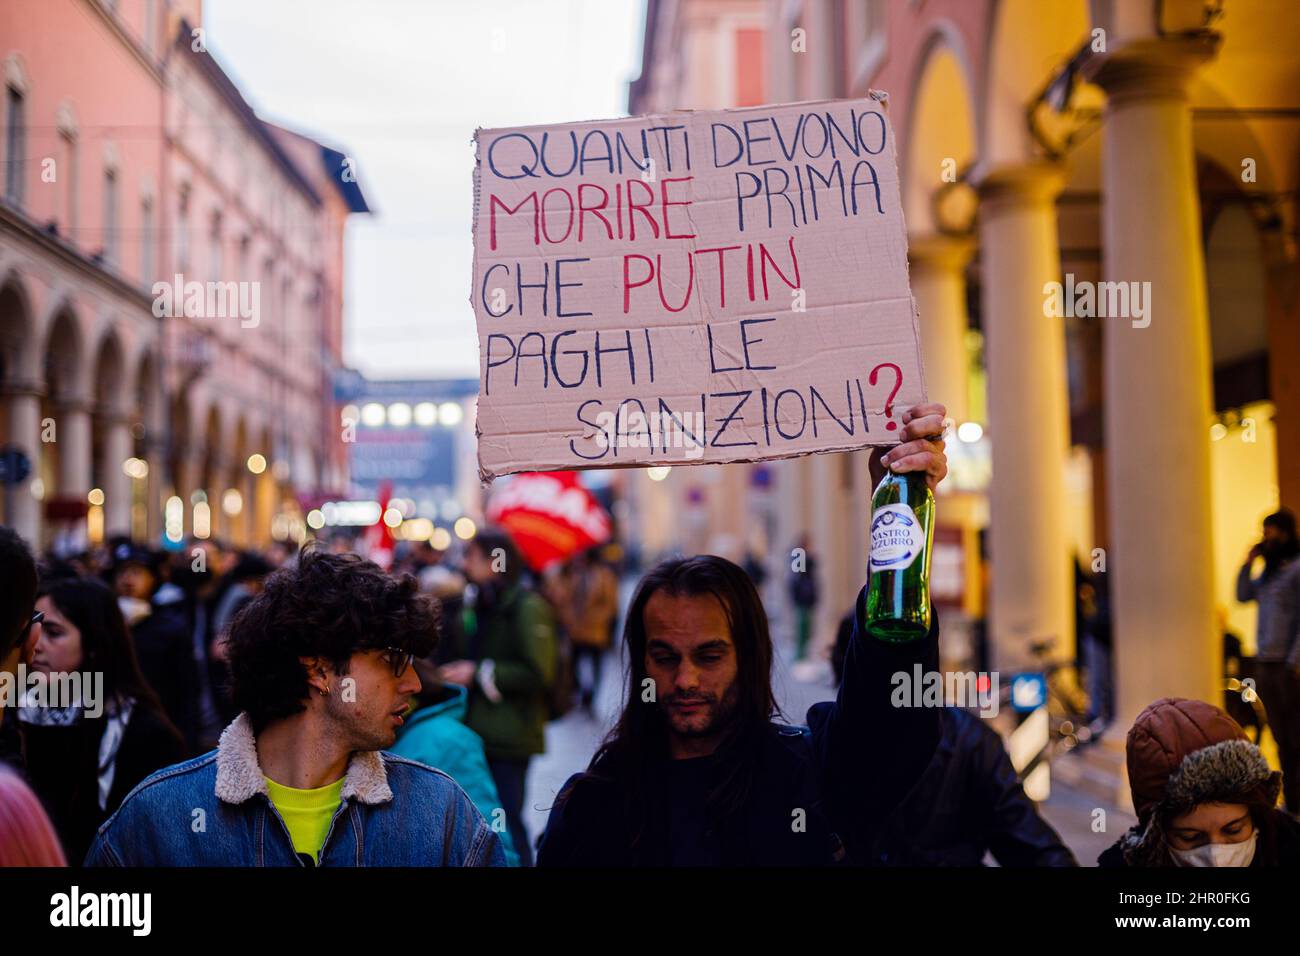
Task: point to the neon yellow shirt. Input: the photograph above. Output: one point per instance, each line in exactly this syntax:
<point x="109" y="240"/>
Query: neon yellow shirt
<point x="307" y="813"/>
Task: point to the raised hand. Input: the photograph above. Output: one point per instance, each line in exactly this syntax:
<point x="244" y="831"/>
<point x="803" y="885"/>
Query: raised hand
<point x="920" y="446"/>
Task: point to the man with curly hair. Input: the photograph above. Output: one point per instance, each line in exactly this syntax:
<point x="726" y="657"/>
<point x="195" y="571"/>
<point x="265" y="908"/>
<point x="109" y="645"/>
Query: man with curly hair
<point x="320" y="666"/>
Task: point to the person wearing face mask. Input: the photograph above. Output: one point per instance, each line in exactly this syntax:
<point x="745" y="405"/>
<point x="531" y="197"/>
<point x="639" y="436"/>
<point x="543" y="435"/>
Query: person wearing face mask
<point x="1276" y="591"/>
<point x="1204" y="794"/>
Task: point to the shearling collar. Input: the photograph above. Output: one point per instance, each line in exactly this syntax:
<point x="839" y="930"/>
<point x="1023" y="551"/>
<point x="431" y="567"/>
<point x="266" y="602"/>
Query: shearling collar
<point x="240" y="777"/>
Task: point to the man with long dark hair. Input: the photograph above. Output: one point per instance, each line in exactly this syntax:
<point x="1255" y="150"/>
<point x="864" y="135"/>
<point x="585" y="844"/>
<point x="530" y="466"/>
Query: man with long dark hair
<point x="320" y="665"/>
<point x="696" y="772"/>
<point x="1277" y="643"/>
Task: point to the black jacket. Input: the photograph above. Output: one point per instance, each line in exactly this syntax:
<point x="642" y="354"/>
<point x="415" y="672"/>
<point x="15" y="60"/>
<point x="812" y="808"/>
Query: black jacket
<point x="11" y="742"/>
<point x="819" y="794"/>
<point x="1279" y="844"/>
<point x="63" y="769"/>
<point x="968" y="802"/>
<point x="164" y="645"/>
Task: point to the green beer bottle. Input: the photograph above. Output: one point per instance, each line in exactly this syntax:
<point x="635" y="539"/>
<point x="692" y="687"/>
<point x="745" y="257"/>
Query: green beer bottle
<point x="902" y="530"/>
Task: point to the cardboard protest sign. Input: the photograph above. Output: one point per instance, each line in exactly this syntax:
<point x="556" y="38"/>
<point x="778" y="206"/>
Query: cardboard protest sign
<point x="689" y="288"/>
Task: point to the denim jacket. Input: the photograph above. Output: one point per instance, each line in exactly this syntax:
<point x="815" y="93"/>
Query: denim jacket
<point x="214" y="810"/>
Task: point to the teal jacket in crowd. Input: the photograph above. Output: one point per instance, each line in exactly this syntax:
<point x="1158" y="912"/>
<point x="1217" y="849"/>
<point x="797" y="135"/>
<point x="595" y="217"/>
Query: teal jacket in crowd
<point x="437" y="736"/>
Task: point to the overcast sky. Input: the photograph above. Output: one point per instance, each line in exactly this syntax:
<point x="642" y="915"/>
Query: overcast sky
<point x="400" y="85"/>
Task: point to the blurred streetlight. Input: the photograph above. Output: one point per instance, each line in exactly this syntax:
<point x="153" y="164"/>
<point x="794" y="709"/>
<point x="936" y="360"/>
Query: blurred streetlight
<point x="257" y="463"/>
<point x="426" y="414"/>
<point x="202" y="519"/>
<point x="465" y="528"/>
<point x="174" y="518"/>
<point x="450" y="413"/>
<point x="280" y="527"/>
<point x="417" y="529"/>
<point x="399" y="414"/>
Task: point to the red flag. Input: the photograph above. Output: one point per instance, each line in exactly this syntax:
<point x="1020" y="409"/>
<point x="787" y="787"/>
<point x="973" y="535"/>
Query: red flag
<point x="550" y="515"/>
<point x="378" y="538"/>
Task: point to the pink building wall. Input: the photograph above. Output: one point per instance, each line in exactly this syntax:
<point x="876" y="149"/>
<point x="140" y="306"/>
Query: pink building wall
<point x="204" y="188"/>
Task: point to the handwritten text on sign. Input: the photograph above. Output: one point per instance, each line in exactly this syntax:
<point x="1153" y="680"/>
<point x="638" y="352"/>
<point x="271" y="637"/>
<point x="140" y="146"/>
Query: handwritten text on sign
<point x="695" y="287"/>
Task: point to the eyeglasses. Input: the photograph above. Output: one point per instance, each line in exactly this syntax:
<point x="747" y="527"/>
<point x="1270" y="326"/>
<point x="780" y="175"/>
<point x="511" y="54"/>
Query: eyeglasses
<point x="398" y="659"/>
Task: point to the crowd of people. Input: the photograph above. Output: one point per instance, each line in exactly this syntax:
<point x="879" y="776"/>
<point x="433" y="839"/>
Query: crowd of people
<point x="217" y="707"/>
<point x="507" y="651"/>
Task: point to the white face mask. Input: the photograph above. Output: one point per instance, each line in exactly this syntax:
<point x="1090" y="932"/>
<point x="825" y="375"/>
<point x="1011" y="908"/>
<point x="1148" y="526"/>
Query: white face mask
<point x="1218" y="854"/>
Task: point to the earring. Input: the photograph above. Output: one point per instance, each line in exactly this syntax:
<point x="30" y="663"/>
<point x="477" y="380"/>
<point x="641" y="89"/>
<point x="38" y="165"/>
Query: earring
<point x="325" y="691"/>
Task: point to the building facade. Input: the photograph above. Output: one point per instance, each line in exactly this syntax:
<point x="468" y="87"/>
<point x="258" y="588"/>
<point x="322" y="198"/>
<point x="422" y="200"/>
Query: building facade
<point x="170" y="285"/>
<point x="1045" y="148"/>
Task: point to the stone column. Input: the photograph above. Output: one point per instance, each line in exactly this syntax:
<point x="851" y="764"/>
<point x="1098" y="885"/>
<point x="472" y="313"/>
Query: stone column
<point x="72" y="432"/>
<point x="155" y="456"/>
<point x="1032" y="586"/>
<point x="1158" y="381"/>
<point x="832" y="516"/>
<point x="938" y="272"/>
<point x="254" y="534"/>
<point x="264" y="505"/>
<point x="189" y="476"/>
<point x="728" y="510"/>
<point x="118" y="447"/>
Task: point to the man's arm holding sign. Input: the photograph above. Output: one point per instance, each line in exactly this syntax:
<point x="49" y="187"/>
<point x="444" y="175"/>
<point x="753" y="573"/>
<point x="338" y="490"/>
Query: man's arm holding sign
<point x="871" y="753"/>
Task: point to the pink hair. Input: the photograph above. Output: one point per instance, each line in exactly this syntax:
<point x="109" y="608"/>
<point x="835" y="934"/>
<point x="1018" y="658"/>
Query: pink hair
<point x="27" y="837"/>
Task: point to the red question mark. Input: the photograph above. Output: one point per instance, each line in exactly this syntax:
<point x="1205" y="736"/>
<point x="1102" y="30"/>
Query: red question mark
<point x="889" y="402"/>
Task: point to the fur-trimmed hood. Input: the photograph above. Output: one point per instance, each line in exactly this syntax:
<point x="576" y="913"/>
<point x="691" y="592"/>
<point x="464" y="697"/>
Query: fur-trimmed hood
<point x="240" y="777"/>
<point x="1182" y="753"/>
